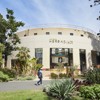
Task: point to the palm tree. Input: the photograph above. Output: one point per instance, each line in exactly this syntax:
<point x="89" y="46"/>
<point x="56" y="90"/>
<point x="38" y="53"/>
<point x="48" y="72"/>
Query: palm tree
<point x="23" y="59"/>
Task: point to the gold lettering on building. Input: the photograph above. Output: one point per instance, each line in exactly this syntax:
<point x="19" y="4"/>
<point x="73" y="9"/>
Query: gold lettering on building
<point x="60" y="41"/>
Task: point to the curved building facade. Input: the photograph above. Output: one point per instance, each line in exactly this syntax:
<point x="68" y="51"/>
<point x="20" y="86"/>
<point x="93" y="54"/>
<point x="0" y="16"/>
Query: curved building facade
<point x="70" y="46"/>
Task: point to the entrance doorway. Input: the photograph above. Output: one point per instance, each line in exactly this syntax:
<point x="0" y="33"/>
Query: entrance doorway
<point x="61" y="55"/>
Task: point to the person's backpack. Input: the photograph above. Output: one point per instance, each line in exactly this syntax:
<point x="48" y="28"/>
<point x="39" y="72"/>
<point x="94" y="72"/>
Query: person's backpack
<point x="40" y="74"/>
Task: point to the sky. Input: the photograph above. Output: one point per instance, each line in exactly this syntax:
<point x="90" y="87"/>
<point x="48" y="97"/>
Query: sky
<point x="36" y="13"/>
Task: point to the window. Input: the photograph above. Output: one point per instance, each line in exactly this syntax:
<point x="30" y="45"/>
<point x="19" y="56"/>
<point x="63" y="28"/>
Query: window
<point x="98" y="58"/>
<point x="25" y="35"/>
<point x="47" y="33"/>
<point x="98" y="33"/>
<point x="61" y="55"/>
<point x="35" y="33"/>
<point x="71" y="34"/>
<point x="82" y="35"/>
<point x="38" y="54"/>
<point x="59" y="33"/>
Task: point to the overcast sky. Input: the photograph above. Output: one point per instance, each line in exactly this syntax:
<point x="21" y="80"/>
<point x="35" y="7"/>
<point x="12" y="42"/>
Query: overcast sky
<point x="36" y="12"/>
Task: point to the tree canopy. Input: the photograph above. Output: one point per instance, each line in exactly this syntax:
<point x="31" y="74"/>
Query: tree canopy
<point x="8" y="27"/>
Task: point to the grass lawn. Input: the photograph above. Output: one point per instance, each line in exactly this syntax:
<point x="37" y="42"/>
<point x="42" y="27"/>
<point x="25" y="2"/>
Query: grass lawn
<point x="24" y="95"/>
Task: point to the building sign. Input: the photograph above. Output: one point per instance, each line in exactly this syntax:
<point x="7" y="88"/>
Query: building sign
<point x="60" y="41"/>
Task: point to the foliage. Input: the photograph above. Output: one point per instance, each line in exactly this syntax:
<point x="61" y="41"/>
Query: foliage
<point x="3" y="77"/>
<point x="93" y="76"/>
<point x="23" y="59"/>
<point x="25" y="77"/>
<point x="60" y="66"/>
<point x="11" y="73"/>
<point x="35" y="65"/>
<point x="1" y="56"/>
<point x="73" y="71"/>
<point x="54" y="76"/>
<point x="61" y="89"/>
<point x="62" y="75"/>
<point x="90" y="92"/>
<point x="77" y="98"/>
<point x="8" y="27"/>
<point x="24" y="95"/>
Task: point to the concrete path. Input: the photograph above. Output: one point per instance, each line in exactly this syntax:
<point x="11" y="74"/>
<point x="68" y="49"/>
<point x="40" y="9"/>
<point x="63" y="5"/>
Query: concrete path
<point x="22" y="85"/>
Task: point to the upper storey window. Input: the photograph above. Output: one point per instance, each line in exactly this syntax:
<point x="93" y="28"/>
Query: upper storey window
<point x="71" y="34"/>
<point x="35" y="33"/>
<point x="82" y="35"/>
<point x="25" y="35"/>
<point x="47" y="33"/>
<point x="59" y="33"/>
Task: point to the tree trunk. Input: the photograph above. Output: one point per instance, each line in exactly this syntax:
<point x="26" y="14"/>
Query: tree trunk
<point x="6" y="58"/>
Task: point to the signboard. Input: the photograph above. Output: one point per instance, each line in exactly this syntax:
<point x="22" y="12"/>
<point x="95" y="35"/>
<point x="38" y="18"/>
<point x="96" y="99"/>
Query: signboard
<point x="60" y="41"/>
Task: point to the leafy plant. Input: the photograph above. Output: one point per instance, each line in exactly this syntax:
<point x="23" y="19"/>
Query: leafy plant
<point x="93" y="76"/>
<point x="34" y="65"/>
<point x="23" y="59"/>
<point x="54" y="76"/>
<point x="11" y="73"/>
<point x="25" y="78"/>
<point x="62" y="75"/>
<point x="8" y="27"/>
<point x="61" y="89"/>
<point x="3" y="77"/>
<point x="90" y="92"/>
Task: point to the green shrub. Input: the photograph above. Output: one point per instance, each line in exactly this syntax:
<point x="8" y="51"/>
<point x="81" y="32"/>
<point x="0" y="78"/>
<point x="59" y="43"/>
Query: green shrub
<point x="9" y="72"/>
<point x="29" y="78"/>
<point x="90" y="92"/>
<point x="96" y="90"/>
<point x="25" y="78"/>
<point x="21" y="78"/>
<point x="93" y="76"/>
<point x="3" y="77"/>
<point x="62" y="75"/>
<point x="77" y="98"/>
<point x="54" y="76"/>
<point x="61" y="89"/>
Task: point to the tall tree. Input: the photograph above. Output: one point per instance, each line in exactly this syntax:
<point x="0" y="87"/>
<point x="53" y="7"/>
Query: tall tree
<point x="8" y="27"/>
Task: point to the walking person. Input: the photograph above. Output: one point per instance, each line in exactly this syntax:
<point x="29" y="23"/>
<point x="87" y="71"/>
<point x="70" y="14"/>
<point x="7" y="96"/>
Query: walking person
<point x="40" y="76"/>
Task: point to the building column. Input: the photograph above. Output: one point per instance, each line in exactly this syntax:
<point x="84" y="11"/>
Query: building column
<point x="9" y="62"/>
<point x="76" y="58"/>
<point x="88" y="59"/>
<point x="46" y="58"/>
<point x="3" y="64"/>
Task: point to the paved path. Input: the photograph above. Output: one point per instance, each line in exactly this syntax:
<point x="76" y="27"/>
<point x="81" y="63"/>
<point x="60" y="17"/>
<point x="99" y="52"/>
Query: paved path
<point x="22" y="85"/>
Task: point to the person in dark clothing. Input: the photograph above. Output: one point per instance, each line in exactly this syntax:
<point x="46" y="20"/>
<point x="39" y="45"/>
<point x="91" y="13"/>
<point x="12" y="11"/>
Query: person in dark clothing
<point x="40" y="77"/>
